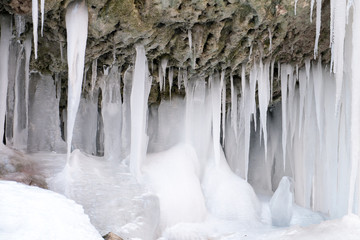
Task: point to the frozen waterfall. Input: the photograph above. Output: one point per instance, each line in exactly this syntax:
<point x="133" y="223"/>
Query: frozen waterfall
<point x="215" y="156"/>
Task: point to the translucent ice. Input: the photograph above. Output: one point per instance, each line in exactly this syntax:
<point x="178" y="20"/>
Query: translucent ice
<point x="281" y="203"/>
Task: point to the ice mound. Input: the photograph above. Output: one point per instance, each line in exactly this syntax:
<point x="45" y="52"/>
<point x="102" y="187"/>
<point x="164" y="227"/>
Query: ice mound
<point x="34" y="213"/>
<point x="173" y="176"/>
<point x="281" y="204"/>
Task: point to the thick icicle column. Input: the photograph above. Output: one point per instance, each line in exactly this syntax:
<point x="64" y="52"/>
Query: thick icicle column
<point x="76" y="29"/>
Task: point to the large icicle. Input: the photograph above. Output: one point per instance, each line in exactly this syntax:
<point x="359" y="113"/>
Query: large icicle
<point x="285" y="71"/>
<point x="264" y="96"/>
<point x="4" y="61"/>
<point x="35" y="12"/>
<point x="42" y="8"/>
<point x="138" y="105"/>
<point x="76" y="29"/>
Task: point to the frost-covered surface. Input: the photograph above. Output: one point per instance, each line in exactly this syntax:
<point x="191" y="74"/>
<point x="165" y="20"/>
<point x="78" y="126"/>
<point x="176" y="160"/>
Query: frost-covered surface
<point x="34" y="213"/>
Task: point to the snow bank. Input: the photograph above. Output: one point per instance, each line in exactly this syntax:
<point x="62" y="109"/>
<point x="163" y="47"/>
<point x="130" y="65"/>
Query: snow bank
<point x="34" y="213"/>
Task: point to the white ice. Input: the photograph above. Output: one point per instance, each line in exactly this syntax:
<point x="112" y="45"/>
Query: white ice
<point x="76" y="28"/>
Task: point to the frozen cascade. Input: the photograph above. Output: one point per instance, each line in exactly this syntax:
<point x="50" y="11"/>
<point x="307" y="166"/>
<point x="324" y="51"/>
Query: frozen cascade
<point x="311" y="137"/>
<point x="35" y="12"/>
<point x="138" y="104"/>
<point x="4" y="49"/>
<point x="76" y="28"/>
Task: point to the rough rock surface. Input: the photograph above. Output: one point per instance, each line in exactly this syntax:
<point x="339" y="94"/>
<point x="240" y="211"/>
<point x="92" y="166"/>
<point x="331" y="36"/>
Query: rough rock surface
<point x="112" y="236"/>
<point x="225" y="33"/>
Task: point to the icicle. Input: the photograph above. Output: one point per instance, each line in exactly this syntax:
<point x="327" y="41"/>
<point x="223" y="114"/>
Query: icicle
<point x="216" y="115"/>
<point x="61" y="52"/>
<point x="191" y="55"/>
<point x="243" y="82"/>
<point x="302" y="87"/>
<point x="93" y="75"/>
<point x="35" y="24"/>
<point x="251" y="48"/>
<point x="233" y="107"/>
<point x="311" y="9"/>
<point x="223" y="105"/>
<point x="179" y="78"/>
<point x="4" y="61"/>
<point x="264" y="96"/>
<point x="171" y="77"/>
<point x="76" y="28"/>
<point x="284" y="89"/>
<point x="270" y="38"/>
<point x="272" y="80"/>
<point x="295" y="7"/>
<point x="42" y="8"/>
<point x="27" y="45"/>
<point x="161" y="78"/>
<point x="20" y="24"/>
<point x="185" y="78"/>
<point x="138" y="103"/>
<point x="164" y="63"/>
<point x="318" y="26"/>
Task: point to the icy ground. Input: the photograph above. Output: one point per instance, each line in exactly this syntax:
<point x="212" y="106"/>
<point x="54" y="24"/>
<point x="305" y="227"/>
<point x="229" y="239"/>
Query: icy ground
<point x="114" y="202"/>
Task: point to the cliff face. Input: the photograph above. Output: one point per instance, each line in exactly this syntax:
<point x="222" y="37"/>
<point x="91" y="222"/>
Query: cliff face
<point x="224" y="33"/>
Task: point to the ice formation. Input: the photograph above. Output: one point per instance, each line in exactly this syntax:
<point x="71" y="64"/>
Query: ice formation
<point x="35" y="21"/>
<point x="76" y="28"/>
<point x="281" y="204"/>
<point x="189" y="167"/>
<point x="4" y="61"/>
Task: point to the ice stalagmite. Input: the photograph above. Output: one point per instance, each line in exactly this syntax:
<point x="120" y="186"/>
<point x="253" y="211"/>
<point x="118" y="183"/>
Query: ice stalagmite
<point x="138" y="105"/>
<point x="76" y="28"/>
<point x="35" y="12"/>
<point x="42" y="8"/>
<point x="4" y="59"/>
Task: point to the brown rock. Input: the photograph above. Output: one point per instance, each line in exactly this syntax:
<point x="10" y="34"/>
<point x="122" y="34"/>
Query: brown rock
<point x="112" y="236"/>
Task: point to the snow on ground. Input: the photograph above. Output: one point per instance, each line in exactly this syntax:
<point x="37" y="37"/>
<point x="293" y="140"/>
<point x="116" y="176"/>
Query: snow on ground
<point x="33" y="213"/>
